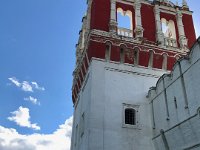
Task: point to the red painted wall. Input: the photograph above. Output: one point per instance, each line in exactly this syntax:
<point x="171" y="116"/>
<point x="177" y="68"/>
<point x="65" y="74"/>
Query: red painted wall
<point x="148" y="22"/>
<point x="100" y="15"/>
<point x="97" y="49"/>
<point x="143" y="58"/>
<point x="189" y="29"/>
<point x="157" y="61"/>
<point x="115" y="53"/>
<point x="170" y="62"/>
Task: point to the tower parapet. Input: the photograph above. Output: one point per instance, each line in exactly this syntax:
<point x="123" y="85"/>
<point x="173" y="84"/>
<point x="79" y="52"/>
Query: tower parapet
<point x="117" y="63"/>
<point x="160" y="33"/>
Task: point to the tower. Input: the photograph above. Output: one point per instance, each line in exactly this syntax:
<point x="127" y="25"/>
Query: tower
<point x="116" y="66"/>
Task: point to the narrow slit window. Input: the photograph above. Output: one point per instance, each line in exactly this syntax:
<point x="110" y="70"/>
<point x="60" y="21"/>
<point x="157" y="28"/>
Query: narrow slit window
<point x="175" y="103"/>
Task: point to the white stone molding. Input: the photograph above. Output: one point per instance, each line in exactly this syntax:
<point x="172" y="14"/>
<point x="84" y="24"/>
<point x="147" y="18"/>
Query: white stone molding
<point x="113" y="20"/>
<point x="183" y="41"/>
<point x="138" y="29"/>
<point x="159" y="33"/>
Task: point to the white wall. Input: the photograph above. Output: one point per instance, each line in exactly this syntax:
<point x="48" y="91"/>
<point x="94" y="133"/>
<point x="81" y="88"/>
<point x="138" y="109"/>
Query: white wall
<point x="109" y="86"/>
<point x="182" y="130"/>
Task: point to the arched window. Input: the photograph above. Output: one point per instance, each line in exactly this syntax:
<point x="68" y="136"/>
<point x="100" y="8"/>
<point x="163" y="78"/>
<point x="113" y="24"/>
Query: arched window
<point x="130" y="116"/>
<point x="124" y="21"/>
<point x="108" y="51"/>
<point x="168" y="29"/>
<point x="136" y="57"/>
<point x="122" y="55"/>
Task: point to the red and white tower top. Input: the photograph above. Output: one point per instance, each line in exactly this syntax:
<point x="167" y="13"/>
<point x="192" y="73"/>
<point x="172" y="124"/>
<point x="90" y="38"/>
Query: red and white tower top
<point x="160" y="32"/>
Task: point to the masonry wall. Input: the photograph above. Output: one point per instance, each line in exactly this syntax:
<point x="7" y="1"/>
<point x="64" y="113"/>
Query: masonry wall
<point x="175" y="105"/>
<point x="109" y="86"/>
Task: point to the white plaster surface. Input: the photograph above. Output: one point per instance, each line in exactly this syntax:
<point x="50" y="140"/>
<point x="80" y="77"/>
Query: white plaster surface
<point x="109" y="86"/>
<point x="182" y="130"/>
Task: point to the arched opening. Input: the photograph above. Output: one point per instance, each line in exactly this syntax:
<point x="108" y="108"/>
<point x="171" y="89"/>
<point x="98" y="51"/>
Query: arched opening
<point x="108" y="51"/>
<point x="164" y="64"/>
<point x="168" y="29"/>
<point x="122" y="56"/>
<point x="130" y="116"/>
<point x="124" y="20"/>
<point x="136" y="56"/>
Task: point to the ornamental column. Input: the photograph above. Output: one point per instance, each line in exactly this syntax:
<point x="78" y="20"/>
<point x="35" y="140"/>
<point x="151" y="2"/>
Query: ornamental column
<point x="159" y="33"/>
<point x="113" y="20"/>
<point x="182" y="39"/>
<point x="138" y="29"/>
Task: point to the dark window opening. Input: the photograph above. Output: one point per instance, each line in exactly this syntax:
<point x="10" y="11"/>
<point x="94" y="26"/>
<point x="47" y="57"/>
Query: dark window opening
<point x="130" y="116"/>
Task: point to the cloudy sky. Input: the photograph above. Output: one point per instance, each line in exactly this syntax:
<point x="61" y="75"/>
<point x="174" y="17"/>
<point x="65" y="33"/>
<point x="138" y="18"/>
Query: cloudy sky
<point x="37" y="56"/>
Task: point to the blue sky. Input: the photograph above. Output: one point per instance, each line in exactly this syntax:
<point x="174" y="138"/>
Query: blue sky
<point x="37" y="46"/>
<point x="37" y="57"/>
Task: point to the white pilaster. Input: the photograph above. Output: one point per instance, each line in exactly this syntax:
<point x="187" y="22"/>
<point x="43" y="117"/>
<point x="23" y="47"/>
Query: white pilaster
<point x="138" y="29"/>
<point x="159" y="33"/>
<point x="113" y="20"/>
<point x="182" y="39"/>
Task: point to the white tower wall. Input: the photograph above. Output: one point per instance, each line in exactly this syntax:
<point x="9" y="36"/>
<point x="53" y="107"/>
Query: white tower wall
<point x="109" y="88"/>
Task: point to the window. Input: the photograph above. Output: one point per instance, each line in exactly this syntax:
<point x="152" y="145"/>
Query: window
<point x="168" y="29"/>
<point x="124" y="21"/>
<point x="130" y="116"/>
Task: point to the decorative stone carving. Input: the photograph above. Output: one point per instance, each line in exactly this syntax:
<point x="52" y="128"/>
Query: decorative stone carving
<point x="184" y="44"/>
<point x="113" y="20"/>
<point x="113" y="27"/>
<point x="139" y="32"/>
<point x="139" y="29"/>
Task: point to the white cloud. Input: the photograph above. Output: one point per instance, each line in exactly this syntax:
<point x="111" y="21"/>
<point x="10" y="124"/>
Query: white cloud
<point x="15" y="81"/>
<point x="10" y="139"/>
<point x="32" y="100"/>
<point x="22" y="118"/>
<point x="36" y="86"/>
<point x="25" y="85"/>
